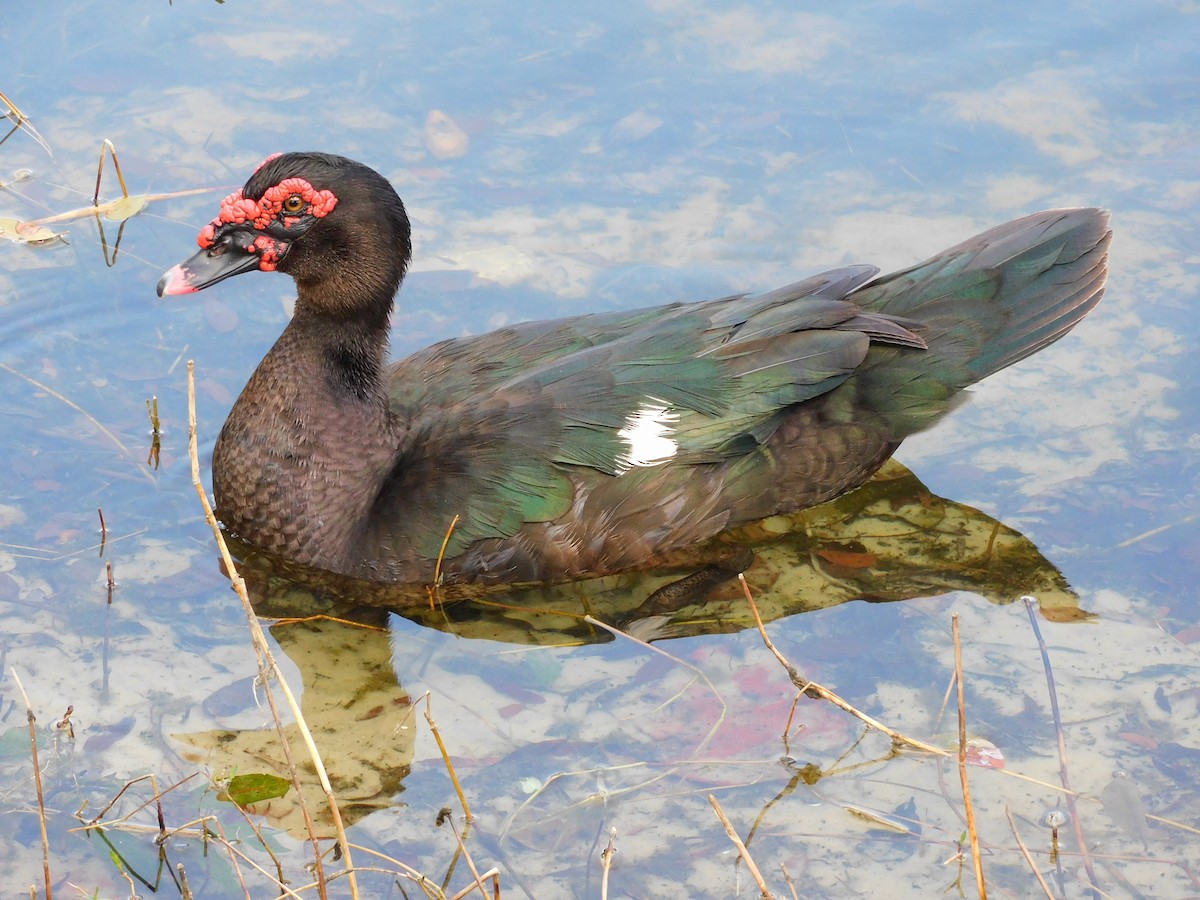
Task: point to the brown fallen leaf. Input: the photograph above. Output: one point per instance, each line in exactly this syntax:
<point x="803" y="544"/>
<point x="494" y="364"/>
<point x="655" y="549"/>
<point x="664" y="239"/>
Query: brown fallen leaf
<point x="849" y="559"/>
<point x="1066" y="614"/>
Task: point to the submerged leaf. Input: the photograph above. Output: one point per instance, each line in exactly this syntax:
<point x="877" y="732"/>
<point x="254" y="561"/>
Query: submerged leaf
<point x="850" y="559"/>
<point x="983" y="753"/>
<point x="902" y="820"/>
<point x="1123" y="804"/>
<point x="1066" y="614"/>
<point x="245" y="790"/>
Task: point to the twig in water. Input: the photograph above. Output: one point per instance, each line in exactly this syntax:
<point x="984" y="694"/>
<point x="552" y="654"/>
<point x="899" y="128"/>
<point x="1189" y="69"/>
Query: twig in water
<point x="462" y="798"/>
<point x="742" y="851"/>
<point x="1153" y="532"/>
<point x="109" y="577"/>
<point x="37" y="780"/>
<point x="446" y="817"/>
<point x="185" y="891"/>
<point x="1028" y="856"/>
<point x="787" y="876"/>
<point x="1030" y="602"/>
<point x="493" y="873"/>
<point x="155" y="433"/>
<point x="812" y="689"/>
<point x="112" y="151"/>
<point x="22" y="122"/>
<point x="103" y="530"/>
<point x="606" y="858"/>
<point x="267" y="667"/>
<point x="122" y="209"/>
<point x="437" y="568"/>
<point x="64" y="724"/>
<point x="976" y="859"/>
<point x="95" y="822"/>
<point x="132" y="887"/>
<point x="249" y="820"/>
<point x="152" y="409"/>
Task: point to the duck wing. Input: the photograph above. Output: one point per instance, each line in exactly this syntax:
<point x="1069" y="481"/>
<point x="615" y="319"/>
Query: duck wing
<point x="508" y="430"/>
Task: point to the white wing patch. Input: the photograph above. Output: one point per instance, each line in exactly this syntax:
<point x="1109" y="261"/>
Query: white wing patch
<point x="648" y="432"/>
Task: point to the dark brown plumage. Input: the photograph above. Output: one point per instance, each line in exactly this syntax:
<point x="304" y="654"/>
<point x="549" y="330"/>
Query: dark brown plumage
<point x="600" y="443"/>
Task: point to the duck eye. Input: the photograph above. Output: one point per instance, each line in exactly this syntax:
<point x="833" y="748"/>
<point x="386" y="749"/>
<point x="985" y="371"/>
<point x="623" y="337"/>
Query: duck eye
<point x="293" y="204"/>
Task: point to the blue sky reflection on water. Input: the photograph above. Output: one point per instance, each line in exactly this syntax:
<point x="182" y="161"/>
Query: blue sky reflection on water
<point x="557" y="161"/>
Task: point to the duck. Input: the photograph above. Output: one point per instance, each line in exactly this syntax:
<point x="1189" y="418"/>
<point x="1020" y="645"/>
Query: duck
<point x="600" y="443"/>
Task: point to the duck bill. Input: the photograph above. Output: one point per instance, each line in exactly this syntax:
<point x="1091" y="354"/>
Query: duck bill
<point x="202" y="270"/>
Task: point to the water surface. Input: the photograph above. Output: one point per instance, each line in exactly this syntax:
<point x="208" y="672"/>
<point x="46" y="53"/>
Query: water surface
<point x="558" y="161"/>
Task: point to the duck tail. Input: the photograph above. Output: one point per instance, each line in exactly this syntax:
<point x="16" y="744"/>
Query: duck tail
<point x="981" y="306"/>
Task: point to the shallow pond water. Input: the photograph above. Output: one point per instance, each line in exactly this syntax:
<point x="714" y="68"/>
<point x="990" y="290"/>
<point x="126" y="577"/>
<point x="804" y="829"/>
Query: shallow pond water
<point x="602" y="157"/>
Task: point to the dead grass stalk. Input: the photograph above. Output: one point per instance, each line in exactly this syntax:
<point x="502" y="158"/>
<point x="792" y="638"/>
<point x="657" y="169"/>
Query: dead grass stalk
<point x="972" y="832"/>
<point x="37" y="780"/>
<point x="819" y="692"/>
<point x="741" y="847"/>
<point x="269" y="672"/>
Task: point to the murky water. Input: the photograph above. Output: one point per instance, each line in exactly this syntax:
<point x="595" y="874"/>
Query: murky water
<point x="557" y="161"/>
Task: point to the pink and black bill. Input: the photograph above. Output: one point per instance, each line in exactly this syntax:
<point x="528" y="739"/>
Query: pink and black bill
<point x="250" y="233"/>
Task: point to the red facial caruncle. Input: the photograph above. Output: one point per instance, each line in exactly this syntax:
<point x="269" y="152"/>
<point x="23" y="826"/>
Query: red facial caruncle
<point x="284" y="207"/>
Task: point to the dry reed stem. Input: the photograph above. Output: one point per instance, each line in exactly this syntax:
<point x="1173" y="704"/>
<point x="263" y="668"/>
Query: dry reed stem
<point x="427" y="886"/>
<point x="37" y="780"/>
<point x="972" y="833"/>
<point x="22" y="122"/>
<point x="1063" y="774"/>
<point x="198" y="829"/>
<point x="108" y="205"/>
<point x="466" y="854"/>
<point x="494" y="874"/>
<point x="409" y="872"/>
<point x="112" y="151"/>
<point x="267" y="668"/>
<point x="606" y="858"/>
<point x="1154" y="532"/>
<point x="154" y="786"/>
<point x="1028" y="856"/>
<point x="437" y="568"/>
<point x="787" y="876"/>
<point x="462" y="798"/>
<point x="132" y="887"/>
<point x="235" y="854"/>
<point x="262" y="840"/>
<point x="185" y="890"/>
<point x="817" y="691"/>
<point x="1171" y="823"/>
<point x="742" y="851"/>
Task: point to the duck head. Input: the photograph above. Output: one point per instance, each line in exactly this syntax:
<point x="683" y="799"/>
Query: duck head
<point x="337" y="227"/>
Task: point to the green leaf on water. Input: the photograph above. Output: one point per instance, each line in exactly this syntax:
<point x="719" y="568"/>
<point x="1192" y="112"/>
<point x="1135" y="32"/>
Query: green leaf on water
<point x="245" y="790"/>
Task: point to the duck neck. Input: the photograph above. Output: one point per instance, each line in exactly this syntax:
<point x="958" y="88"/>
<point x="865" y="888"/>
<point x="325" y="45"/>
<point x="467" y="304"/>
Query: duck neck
<point x="351" y="352"/>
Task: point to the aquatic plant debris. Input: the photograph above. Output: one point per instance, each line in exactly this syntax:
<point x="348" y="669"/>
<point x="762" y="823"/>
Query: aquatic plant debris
<point x="35" y="233"/>
<point x="27" y="232"/>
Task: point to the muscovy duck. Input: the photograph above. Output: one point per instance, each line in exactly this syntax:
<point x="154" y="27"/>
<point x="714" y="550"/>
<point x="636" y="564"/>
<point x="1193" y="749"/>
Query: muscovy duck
<point x="599" y="443"/>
